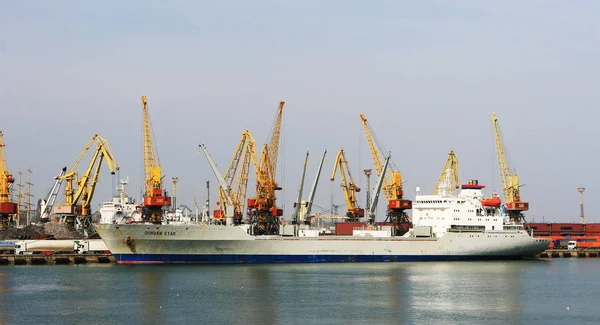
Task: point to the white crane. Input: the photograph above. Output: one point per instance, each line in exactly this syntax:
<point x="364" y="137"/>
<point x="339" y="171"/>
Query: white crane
<point x="227" y="206"/>
<point x="48" y="203"/>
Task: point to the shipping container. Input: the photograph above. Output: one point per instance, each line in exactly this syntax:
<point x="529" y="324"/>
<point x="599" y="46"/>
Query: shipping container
<point x="592" y="228"/>
<point x="346" y="228"/>
<point x="567" y="228"/>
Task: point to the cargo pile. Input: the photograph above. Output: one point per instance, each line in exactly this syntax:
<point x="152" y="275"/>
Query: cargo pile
<point x="51" y="230"/>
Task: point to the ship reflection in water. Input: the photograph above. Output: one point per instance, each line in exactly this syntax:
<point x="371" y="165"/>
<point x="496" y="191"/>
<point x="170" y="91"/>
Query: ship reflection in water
<point x="150" y="295"/>
<point x="5" y="294"/>
<point x="448" y="292"/>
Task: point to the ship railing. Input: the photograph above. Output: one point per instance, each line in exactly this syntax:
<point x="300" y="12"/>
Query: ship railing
<point x="372" y="228"/>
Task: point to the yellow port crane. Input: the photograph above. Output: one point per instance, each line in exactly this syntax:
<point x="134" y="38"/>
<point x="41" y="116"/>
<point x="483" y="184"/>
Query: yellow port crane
<point x="155" y="199"/>
<point x="262" y="208"/>
<point x="392" y="185"/>
<point x="244" y="154"/>
<point x="78" y="200"/>
<point x="510" y="180"/>
<point x="354" y="213"/>
<point x="7" y="208"/>
<point x="448" y="180"/>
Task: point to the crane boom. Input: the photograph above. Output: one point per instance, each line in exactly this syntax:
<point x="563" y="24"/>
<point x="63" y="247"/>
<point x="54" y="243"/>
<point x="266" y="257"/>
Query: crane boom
<point x="228" y="204"/>
<point x="275" y="136"/>
<point x="48" y="203"/>
<point x="510" y="180"/>
<point x="375" y="198"/>
<point x="448" y="180"/>
<point x="244" y="155"/>
<point x="313" y="191"/>
<point x="85" y="188"/>
<point x="350" y="188"/>
<point x="298" y="203"/>
<point x="7" y="208"/>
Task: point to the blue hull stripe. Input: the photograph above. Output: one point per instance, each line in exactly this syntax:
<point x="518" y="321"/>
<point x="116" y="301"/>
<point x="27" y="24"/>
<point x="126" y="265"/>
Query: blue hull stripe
<point x="174" y="258"/>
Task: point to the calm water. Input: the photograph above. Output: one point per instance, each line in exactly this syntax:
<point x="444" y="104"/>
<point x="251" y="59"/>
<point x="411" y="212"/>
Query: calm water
<point x="559" y="291"/>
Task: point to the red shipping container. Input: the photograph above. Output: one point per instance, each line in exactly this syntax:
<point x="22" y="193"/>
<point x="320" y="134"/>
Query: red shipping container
<point x="540" y="227"/>
<point x="592" y="227"/>
<point x="346" y="228"/>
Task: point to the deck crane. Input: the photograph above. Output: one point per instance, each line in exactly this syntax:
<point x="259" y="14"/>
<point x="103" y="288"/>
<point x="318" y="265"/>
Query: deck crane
<point x="156" y="198"/>
<point x="298" y="203"/>
<point x="510" y="180"/>
<point x="313" y="191"/>
<point x="373" y="202"/>
<point x="448" y="180"/>
<point x="392" y="185"/>
<point x="350" y="189"/>
<point x="244" y="155"/>
<point x="48" y="203"/>
<point x="262" y="208"/>
<point x="77" y="207"/>
<point x="228" y="200"/>
<point x="7" y="208"/>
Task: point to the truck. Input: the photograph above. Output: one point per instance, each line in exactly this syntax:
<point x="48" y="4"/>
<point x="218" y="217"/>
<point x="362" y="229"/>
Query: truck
<point x="44" y="246"/>
<point x="90" y="246"/>
<point x="7" y="246"/>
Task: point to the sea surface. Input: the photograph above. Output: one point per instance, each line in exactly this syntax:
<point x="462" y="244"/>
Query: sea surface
<point x="553" y="291"/>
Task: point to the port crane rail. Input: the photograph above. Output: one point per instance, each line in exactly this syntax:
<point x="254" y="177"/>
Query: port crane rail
<point x="392" y="185"/>
<point x="510" y="180"/>
<point x="7" y="207"/>
<point x="448" y="180"/>
<point x="156" y="199"/>
<point x="350" y="188"/>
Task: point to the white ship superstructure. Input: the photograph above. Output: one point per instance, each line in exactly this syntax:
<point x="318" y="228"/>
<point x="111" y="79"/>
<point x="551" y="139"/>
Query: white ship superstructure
<point x="469" y="211"/>
<point x="121" y="209"/>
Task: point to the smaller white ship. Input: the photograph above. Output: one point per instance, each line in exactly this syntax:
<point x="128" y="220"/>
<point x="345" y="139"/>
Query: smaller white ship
<point x="121" y="209"/>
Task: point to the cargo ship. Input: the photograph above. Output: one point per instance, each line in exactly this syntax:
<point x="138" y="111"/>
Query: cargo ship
<point x="445" y="228"/>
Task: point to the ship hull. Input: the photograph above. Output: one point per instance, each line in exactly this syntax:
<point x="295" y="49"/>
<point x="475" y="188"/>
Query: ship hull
<point x="151" y="244"/>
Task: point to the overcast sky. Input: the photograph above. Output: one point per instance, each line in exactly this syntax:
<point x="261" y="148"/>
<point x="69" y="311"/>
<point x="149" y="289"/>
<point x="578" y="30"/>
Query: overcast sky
<point x="427" y="75"/>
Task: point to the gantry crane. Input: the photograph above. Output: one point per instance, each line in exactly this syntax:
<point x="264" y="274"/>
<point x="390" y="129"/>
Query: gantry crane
<point x="448" y="180"/>
<point x="156" y="198"/>
<point x="73" y="211"/>
<point x="510" y="180"/>
<point x="262" y="208"/>
<point x="244" y="154"/>
<point x="350" y="189"/>
<point x="7" y="208"/>
<point x="392" y="185"/>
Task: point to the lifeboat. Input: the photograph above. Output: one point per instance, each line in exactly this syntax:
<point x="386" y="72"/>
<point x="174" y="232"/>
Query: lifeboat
<point x="491" y="202"/>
